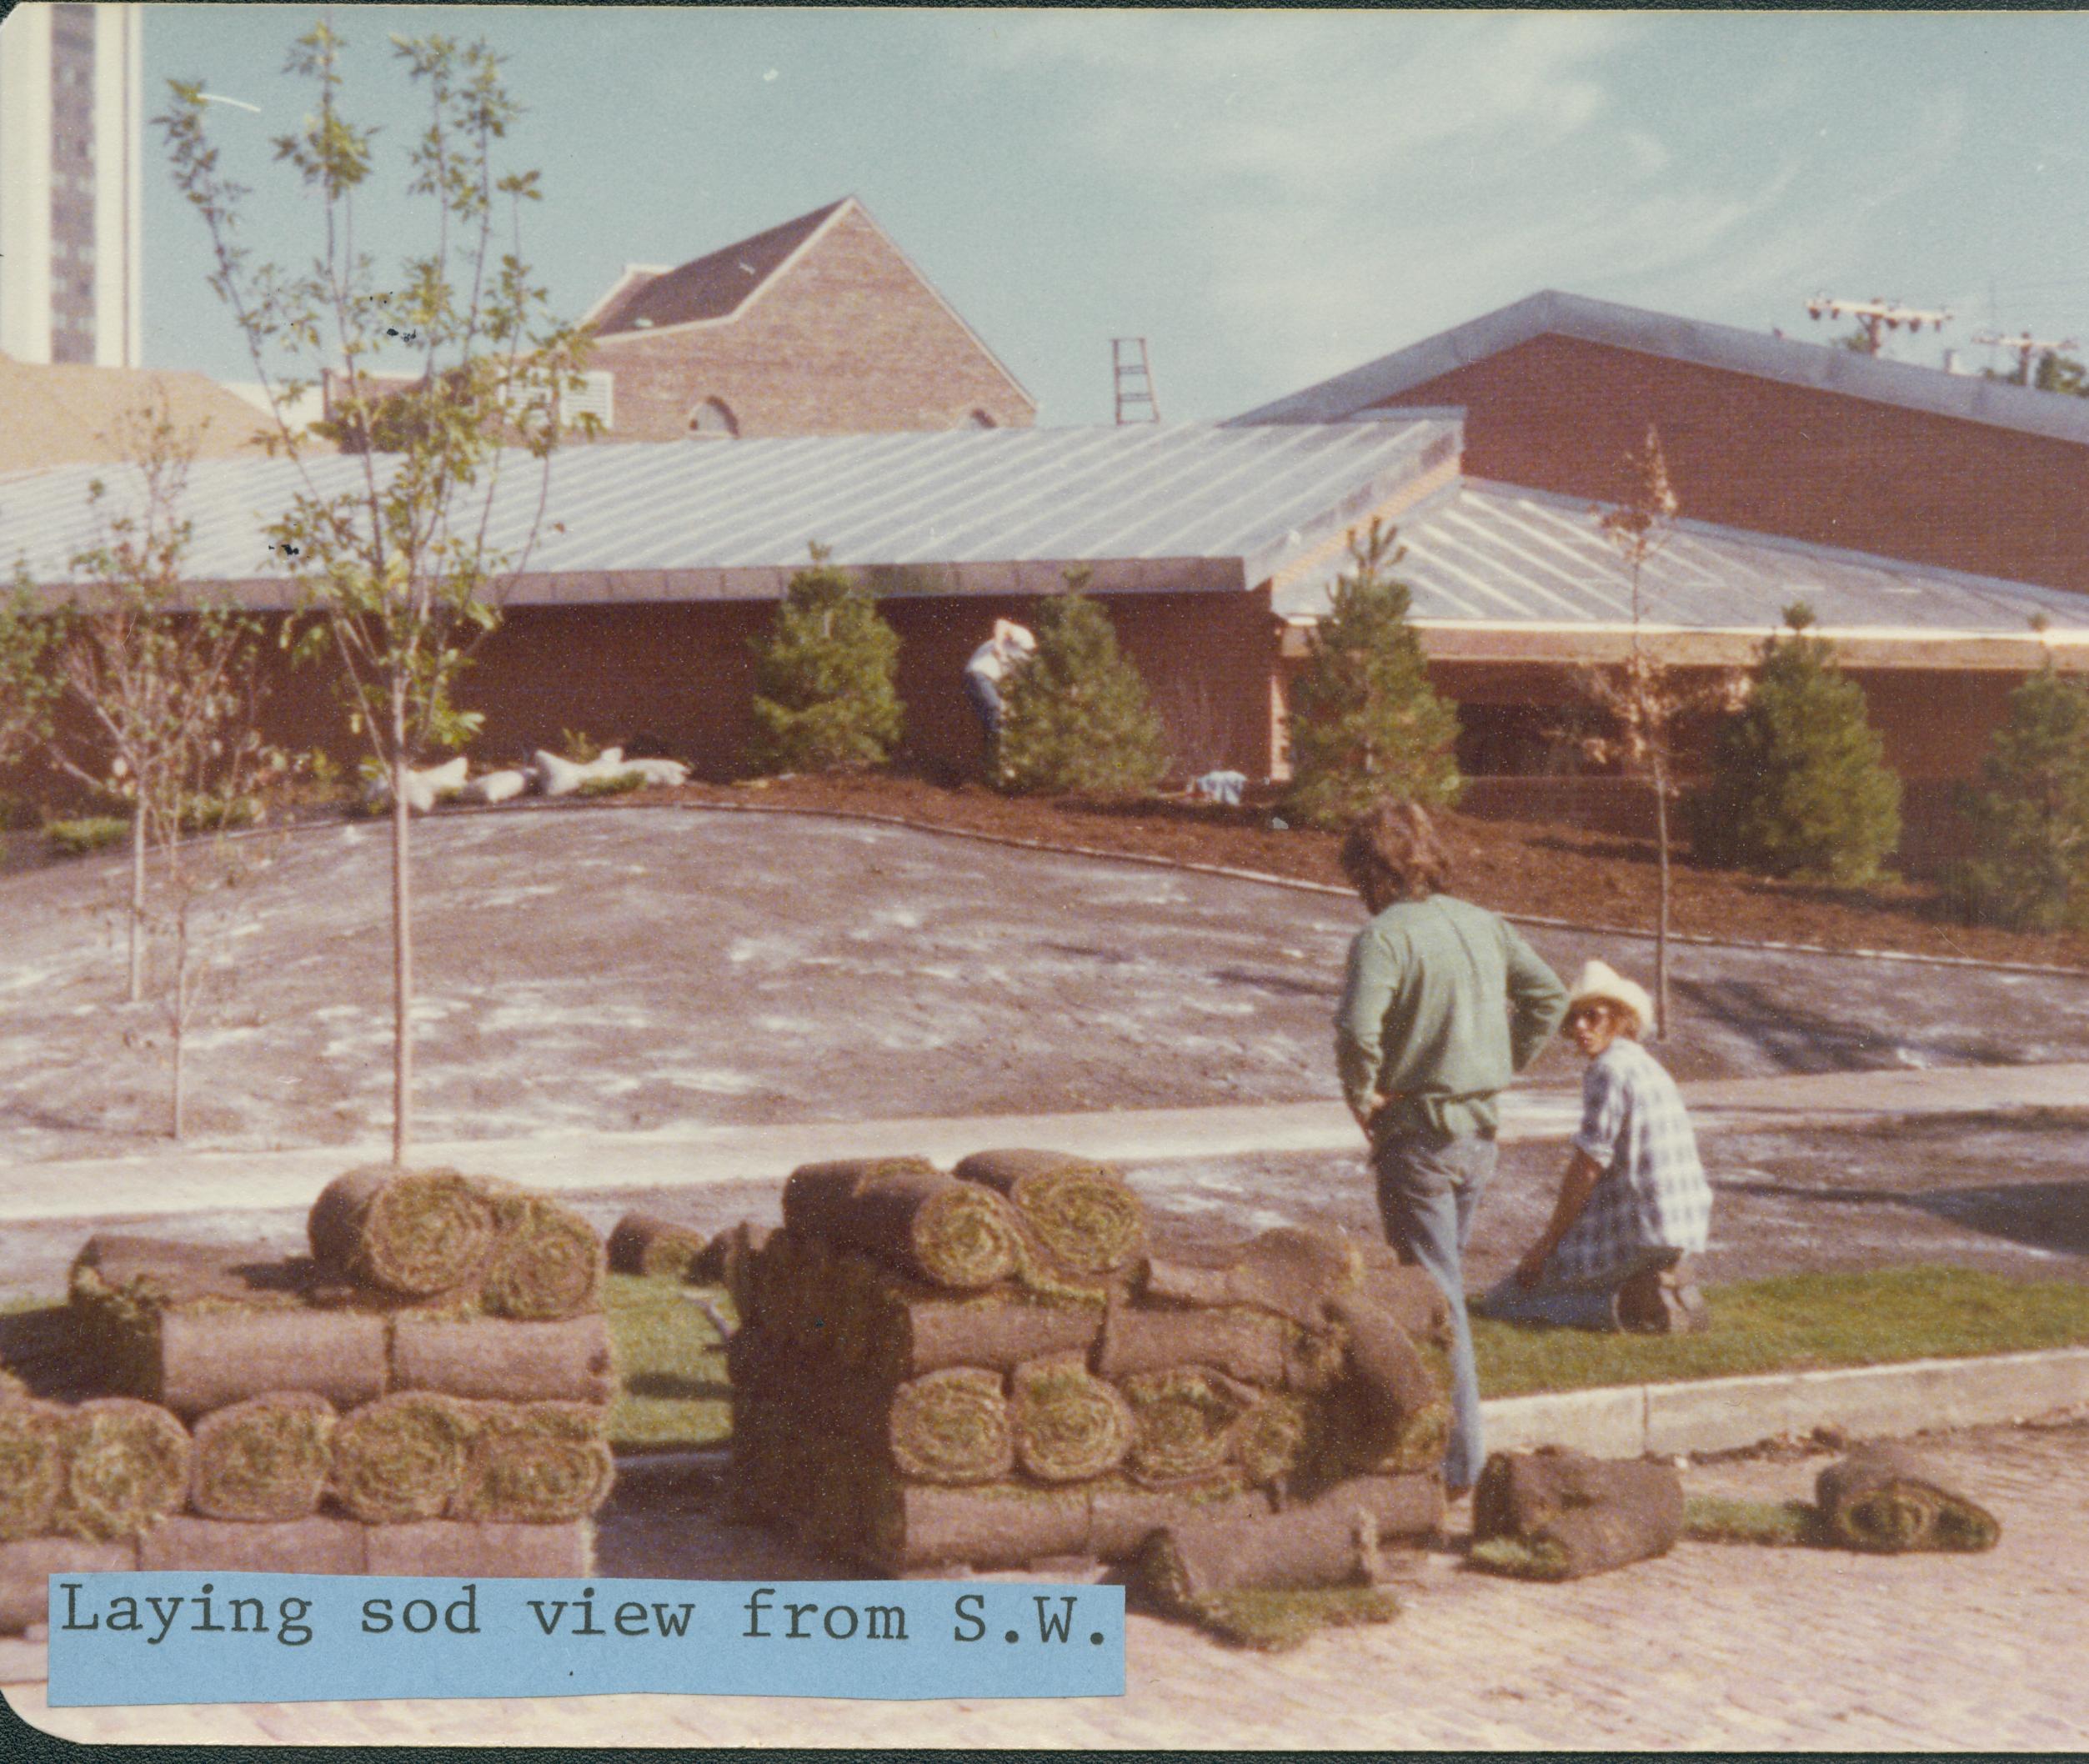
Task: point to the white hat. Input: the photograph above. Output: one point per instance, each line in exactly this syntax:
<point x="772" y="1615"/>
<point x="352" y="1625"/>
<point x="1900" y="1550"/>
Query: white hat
<point x="1601" y="980"/>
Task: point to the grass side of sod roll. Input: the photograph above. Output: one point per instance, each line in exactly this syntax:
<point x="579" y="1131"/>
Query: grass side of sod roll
<point x="1798" y="1323"/>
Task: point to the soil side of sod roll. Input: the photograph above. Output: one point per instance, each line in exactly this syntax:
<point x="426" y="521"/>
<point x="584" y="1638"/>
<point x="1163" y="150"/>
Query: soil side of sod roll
<point x="909" y="1332"/>
<point x="1329" y="1545"/>
<point x="498" y="1358"/>
<point x="26" y="1565"/>
<point x="445" y="1547"/>
<point x="1554" y="1514"/>
<point x="1123" y="1516"/>
<point x="1291" y="1271"/>
<point x="208" y="1359"/>
<point x="918" y="1525"/>
<point x="319" y="1546"/>
<point x="1249" y="1345"/>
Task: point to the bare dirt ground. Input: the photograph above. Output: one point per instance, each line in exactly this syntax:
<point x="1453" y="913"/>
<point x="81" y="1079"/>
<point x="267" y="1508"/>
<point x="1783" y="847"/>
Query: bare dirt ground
<point x="618" y="969"/>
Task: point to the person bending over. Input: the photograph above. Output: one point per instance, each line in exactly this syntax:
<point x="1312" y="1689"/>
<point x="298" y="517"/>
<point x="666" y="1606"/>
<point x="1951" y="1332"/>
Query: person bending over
<point x="1008" y="649"/>
<point x="1443" y="1004"/>
<point x="1634" y="1204"/>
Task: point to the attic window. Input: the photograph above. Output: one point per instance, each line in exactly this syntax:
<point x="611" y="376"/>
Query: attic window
<point x="980" y="419"/>
<point x="713" y="417"/>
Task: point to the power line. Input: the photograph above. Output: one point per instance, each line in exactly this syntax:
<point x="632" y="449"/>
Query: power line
<point x="2026" y="347"/>
<point x="1876" y="316"/>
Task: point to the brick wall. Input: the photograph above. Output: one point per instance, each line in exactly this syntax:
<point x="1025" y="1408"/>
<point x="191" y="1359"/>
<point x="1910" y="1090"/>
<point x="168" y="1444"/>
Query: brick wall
<point x="847" y="340"/>
<point x="1559" y="413"/>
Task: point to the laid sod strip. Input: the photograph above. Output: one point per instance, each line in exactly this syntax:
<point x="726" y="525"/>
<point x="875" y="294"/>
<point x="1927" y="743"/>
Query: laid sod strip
<point x="417" y="1233"/>
<point x="1185" y="1419"/>
<point x="534" y="1464"/>
<point x="401" y="1457"/>
<point x="644" y="1243"/>
<point x="127" y="1466"/>
<point x="1292" y="1271"/>
<point x="1084" y="1213"/>
<point x="1069" y="1425"/>
<point x="918" y="1525"/>
<point x="1244" y="1344"/>
<point x="1799" y="1323"/>
<point x="1887" y="1499"/>
<point x="1729" y="1519"/>
<point x="1518" y="1558"/>
<point x="264" y="1459"/>
<point x="506" y="1361"/>
<point x="548" y="1263"/>
<point x="908" y="1216"/>
<point x="1272" y="1622"/>
<point x="951" y="1428"/>
<point x="32" y="1467"/>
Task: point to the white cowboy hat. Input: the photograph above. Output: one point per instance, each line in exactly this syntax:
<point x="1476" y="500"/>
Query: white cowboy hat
<point x="1601" y="980"/>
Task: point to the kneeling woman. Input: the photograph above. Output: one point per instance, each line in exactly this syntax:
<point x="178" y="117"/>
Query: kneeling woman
<point x="1634" y="1202"/>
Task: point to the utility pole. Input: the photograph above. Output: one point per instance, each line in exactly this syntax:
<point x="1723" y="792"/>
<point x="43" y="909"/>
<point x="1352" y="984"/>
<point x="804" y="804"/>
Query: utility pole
<point x="2027" y="348"/>
<point x="1876" y="316"/>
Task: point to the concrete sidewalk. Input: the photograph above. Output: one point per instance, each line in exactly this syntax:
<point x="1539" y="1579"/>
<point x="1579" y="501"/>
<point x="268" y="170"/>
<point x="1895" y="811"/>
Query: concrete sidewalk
<point x="696" y="1155"/>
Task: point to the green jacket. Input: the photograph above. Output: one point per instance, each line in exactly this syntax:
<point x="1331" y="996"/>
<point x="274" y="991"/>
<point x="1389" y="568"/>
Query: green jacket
<point x="1444" y="1003"/>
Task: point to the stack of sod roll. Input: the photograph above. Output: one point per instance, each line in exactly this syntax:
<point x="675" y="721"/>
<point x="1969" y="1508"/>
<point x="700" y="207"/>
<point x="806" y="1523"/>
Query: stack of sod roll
<point x="426" y="1393"/>
<point x="988" y="1369"/>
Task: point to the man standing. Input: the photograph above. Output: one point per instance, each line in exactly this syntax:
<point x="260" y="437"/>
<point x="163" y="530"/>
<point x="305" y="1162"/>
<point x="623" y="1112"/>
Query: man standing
<point x="1008" y="648"/>
<point x="1443" y="1004"/>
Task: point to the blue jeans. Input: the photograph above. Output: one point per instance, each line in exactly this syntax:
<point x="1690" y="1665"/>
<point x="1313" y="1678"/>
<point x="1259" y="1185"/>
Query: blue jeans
<point x="1429" y="1187"/>
<point x="986" y="700"/>
<point x="1589" y="1302"/>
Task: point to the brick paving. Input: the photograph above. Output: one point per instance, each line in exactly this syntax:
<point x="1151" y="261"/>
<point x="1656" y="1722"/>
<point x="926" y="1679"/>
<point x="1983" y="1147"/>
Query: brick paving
<point x="1711" y="1646"/>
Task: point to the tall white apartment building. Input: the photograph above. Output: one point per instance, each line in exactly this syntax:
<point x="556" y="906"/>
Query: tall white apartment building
<point x="71" y="115"/>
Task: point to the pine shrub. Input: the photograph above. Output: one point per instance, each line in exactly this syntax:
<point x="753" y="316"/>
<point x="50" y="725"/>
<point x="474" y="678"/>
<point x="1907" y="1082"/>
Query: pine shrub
<point x="1075" y="717"/>
<point x="1366" y="722"/>
<point x="2030" y="812"/>
<point x="1799" y="785"/>
<point x="826" y="693"/>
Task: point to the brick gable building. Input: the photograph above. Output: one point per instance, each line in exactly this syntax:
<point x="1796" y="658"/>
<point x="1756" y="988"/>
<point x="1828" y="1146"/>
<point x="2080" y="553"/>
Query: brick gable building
<point x="818" y="327"/>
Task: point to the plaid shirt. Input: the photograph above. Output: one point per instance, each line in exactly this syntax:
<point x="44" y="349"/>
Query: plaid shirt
<point x="1652" y="1193"/>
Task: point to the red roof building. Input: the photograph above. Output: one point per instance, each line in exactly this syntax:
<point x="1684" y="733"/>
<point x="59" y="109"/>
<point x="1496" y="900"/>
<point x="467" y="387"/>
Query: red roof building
<point x="821" y="326"/>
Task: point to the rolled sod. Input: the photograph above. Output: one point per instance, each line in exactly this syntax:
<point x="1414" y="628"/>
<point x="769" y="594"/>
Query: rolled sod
<point x="264" y="1459"/>
<point x="416" y="1233"/>
<point x="1725" y="1519"/>
<point x="910" y="1330"/>
<point x="319" y="1546"/>
<point x="1567" y="1516"/>
<point x="918" y="1524"/>
<point x="455" y="1551"/>
<point x="1405" y="1509"/>
<point x="1407" y="1295"/>
<point x="959" y="1235"/>
<point x="126" y="1466"/>
<point x="533" y="1464"/>
<point x="1084" y="1213"/>
<point x="1122" y="1516"/>
<point x="1888" y="1500"/>
<point x="1070" y="1425"/>
<point x="951" y="1428"/>
<point x="1291" y="1271"/>
<point x="401" y="1457"/>
<point x="1273" y="1622"/>
<point x="502" y="1360"/>
<point x="1270" y="1440"/>
<point x="1389" y="1409"/>
<point x="1242" y="1343"/>
<point x="1316" y="1546"/>
<point x="32" y="1467"/>
<point x="1185" y="1419"/>
<point x="26" y="1565"/>
<point x="644" y="1243"/>
<point x="727" y="1258"/>
<point x="547" y="1264"/>
<point x="207" y="1359"/>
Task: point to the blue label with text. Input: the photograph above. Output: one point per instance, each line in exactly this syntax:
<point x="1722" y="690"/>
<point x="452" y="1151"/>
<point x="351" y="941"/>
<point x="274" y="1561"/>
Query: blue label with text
<point x="224" y="1637"/>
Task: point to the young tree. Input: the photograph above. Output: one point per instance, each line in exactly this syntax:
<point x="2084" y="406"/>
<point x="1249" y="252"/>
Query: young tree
<point x="28" y="688"/>
<point x="2030" y="812"/>
<point x="165" y="694"/>
<point x="1643" y="699"/>
<point x="826" y="695"/>
<point x="399" y="569"/>
<point x="1366" y="722"/>
<point x="1075" y="716"/>
<point x="1799" y="784"/>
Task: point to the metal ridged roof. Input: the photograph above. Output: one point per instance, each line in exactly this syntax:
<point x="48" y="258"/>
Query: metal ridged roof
<point x="704" y="519"/>
<point x="1789" y="359"/>
<point x="1493" y="553"/>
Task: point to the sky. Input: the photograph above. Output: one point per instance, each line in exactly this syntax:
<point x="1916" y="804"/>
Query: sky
<point x="1269" y="197"/>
